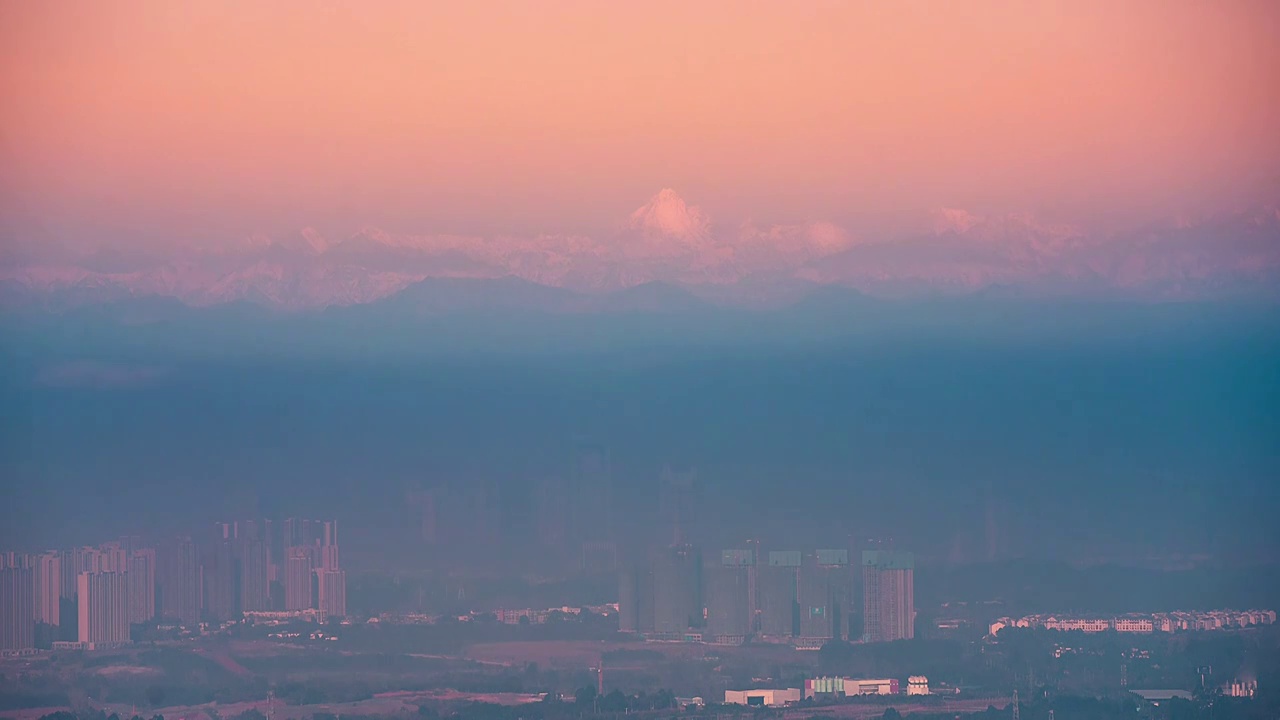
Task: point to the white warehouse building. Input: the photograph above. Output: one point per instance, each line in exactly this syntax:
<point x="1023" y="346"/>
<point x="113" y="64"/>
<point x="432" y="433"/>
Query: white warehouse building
<point x="762" y="698"/>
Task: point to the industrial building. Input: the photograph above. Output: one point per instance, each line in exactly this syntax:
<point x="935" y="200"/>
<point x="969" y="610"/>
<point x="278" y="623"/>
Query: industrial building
<point x="762" y="697"/>
<point x="847" y="687"/>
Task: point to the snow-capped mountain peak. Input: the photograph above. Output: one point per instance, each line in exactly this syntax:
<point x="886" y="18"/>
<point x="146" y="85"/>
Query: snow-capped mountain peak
<point x="307" y="241"/>
<point x="953" y="220"/>
<point x="314" y="240"/>
<point x="666" y="214"/>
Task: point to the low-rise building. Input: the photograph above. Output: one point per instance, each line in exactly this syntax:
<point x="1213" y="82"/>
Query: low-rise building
<point x="844" y="687"/>
<point x="871" y="687"/>
<point x="762" y="697"/>
<point x="1134" y="625"/>
<point x="1141" y="622"/>
<point x="1155" y="697"/>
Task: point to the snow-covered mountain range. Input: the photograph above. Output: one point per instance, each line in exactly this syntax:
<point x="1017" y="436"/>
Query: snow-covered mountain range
<point x="669" y="241"/>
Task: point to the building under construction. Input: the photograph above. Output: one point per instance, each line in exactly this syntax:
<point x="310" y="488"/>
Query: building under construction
<point x="730" y="597"/>
<point x="825" y="585"/>
<point x="888" y="593"/>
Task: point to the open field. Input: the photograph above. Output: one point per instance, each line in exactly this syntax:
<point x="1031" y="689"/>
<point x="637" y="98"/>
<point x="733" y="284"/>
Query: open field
<point x="390" y="703"/>
<point x="869" y="711"/>
<point x="223" y="678"/>
<point x="587" y="653"/>
<point x="571" y="653"/>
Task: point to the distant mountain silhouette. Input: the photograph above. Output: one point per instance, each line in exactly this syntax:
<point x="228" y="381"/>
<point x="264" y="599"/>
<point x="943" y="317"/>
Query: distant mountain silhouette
<point x="652" y="297"/>
<point x="443" y="296"/>
<point x="670" y="241"/>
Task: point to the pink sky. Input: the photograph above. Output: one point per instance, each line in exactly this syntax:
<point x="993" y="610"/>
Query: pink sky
<point x="145" y="122"/>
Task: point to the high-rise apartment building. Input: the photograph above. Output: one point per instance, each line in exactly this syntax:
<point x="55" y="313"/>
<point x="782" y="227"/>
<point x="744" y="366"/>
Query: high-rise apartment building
<point x="729" y="594"/>
<point x="635" y="598"/>
<point x="424" y="504"/>
<point x="178" y="580"/>
<point x="888" y="592"/>
<point x="312" y="575"/>
<point x="599" y="557"/>
<point x="46" y="571"/>
<point x="298" y="579"/>
<point x="253" y="579"/>
<point x="332" y="585"/>
<point x="218" y="581"/>
<point x="112" y="557"/>
<point x="677" y="590"/>
<point x="76" y="561"/>
<point x="329" y="557"/>
<point x="777" y="591"/>
<point x="825" y="585"/>
<point x="17" y="616"/>
<point x="302" y="531"/>
<point x="103" y="603"/>
<point x="141" y="567"/>
<point x="551" y="512"/>
<point x="590" y="492"/>
<point x="677" y="505"/>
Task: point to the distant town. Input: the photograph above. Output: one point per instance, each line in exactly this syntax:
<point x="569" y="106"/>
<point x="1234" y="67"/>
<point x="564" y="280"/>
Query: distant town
<point x="1141" y="623"/>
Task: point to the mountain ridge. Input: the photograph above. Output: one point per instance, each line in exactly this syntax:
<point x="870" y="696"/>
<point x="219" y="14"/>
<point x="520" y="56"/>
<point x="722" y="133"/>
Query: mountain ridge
<point x="669" y="241"/>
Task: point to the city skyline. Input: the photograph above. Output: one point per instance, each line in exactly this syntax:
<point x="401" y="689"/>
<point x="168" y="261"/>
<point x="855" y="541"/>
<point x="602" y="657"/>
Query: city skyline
<point x="94" y="597"/>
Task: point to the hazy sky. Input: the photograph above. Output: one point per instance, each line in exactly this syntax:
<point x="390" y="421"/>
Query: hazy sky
<point x="149" y="121"/>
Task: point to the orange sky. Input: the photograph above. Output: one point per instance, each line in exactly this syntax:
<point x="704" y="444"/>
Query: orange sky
<point x="146" y="121"/>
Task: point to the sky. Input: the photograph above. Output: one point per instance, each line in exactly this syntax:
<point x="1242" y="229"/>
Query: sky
<point x="145" y="123"/>
<point x="350" y="152"/>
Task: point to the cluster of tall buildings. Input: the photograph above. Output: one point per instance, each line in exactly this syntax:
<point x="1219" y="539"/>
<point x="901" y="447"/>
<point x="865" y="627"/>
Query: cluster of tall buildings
<point x="93" y="596"/>
<point x="313" y="577"/>
<point x="784" y="596"/>
<point x="257" y="566"/>
<point x="561" y="522"/>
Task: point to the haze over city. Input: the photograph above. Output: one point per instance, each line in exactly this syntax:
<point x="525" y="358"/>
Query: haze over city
<point x="796" y="360"/>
